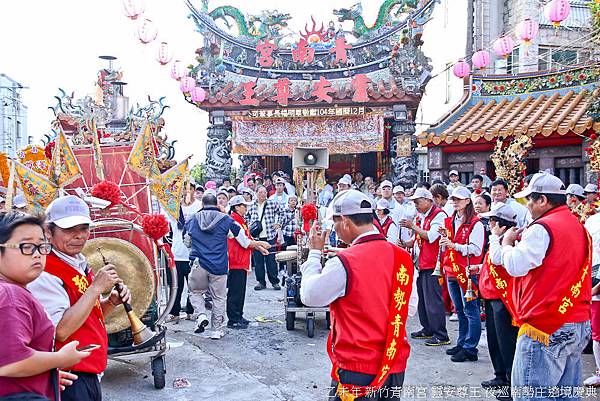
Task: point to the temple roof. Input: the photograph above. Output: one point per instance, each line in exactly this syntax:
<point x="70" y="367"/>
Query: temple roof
<point x="541" y="104"/>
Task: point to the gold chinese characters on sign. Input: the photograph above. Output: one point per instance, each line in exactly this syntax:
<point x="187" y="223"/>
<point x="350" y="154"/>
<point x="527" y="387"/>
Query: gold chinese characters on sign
<point x="309" y="112"/>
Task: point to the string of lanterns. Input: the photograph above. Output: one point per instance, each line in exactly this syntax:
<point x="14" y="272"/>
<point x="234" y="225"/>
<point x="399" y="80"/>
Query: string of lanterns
<point x="146" y="33"/>
<point x="556" y="11"/>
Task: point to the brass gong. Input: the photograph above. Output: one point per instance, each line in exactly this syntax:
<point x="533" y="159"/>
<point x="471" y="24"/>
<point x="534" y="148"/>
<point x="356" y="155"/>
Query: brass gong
<point x="133" y="268"/>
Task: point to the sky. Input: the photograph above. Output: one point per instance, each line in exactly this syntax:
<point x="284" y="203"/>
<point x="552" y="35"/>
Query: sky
<point x="48" y="45"/>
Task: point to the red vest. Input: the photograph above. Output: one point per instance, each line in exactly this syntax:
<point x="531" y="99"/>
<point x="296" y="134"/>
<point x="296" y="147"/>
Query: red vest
<point x="486" y="286"/>
<point x="92" y="331"/>
<point x="536" y="292"/>
<point x="461" y="237"/>
<point x="385" y="227"/>
<point x="359" y="319"/>
<point x="429" y="251"/>
<point x="239" y="257"/>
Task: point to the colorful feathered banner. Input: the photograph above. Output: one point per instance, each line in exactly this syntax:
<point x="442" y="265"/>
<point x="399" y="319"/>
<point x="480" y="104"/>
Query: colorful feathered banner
<point x="168" y="186"/>
<point x="64" y="167"/>
<point x="37" y="189"/>
<point x="142" y="158"/>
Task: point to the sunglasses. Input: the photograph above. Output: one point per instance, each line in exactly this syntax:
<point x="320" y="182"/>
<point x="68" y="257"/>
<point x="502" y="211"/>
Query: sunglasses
<point x="29" y="248"/>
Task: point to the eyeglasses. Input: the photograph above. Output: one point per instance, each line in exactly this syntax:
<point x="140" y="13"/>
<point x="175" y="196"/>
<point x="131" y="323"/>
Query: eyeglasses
<point x="29" y="248"/>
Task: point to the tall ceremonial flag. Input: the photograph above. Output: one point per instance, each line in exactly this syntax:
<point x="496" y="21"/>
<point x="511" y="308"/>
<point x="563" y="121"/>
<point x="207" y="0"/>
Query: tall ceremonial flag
<point x="96" y="151"/>
<point x="168" y="186"/>
<point x="142" y="158"/>
<point x="38" y="190"/>
<point x="64" y="167"/>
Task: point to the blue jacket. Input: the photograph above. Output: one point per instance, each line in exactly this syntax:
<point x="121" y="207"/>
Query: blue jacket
<point x="208" y="230"/>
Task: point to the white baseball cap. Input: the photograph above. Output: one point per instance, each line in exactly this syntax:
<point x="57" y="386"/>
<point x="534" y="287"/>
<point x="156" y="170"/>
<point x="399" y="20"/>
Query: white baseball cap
<point x="502" y="211"/>
<point x="279" y="180"/>
<point x="575" y="189"/>
<point x="19" y="201"/>
<point x="453" y="172"/>
<point x="591" y="189"/>
<point x="542" y="183"/>
<point x="461" y="193"/>
<point x="421" y="193"/>
<point x="348" y="202"/>
<point x="68" y="211"/>
<point x="383" y="204"/>
<point x="398" y="188"/>
<point x="346" y="179"/>
<point x="386" y="183"/>
<point x="239" y="200"/>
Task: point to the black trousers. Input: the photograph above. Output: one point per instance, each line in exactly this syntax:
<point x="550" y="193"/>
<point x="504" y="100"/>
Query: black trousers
<point x="389" y="390"/>
<point x="432" y="314"/>
<point x="183" y="271"/>
<point x="85" y="388"/>
<point x="262" y="263"/>
<point x="236" y="294"/>
<point x="501" y="337"/>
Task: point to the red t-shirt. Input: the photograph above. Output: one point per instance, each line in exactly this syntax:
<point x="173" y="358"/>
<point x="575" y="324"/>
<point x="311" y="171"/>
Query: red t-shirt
<point x="25" y="327"/>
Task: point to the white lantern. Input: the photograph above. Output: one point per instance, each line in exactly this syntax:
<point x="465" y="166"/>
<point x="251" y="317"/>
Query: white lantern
<point x="147" y="31"/>
<point x="178" y="70"/>
<point x="164" y="54"/>
<point x="133" y="8"/>
<point x="187" y="84"/>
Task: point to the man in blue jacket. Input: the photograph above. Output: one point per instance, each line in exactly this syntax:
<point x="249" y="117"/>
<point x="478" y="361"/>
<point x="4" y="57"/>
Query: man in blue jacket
<point x="206" y="233"/>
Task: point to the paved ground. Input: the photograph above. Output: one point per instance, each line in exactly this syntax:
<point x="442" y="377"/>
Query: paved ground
<point x="267" y="362"/>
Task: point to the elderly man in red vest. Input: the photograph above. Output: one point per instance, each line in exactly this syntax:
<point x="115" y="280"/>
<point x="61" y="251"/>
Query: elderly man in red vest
<point x="71" y="294"/>
<point x="368" y="287"/>
<point x="551" y="267"/>
<point x="432" y="313"/>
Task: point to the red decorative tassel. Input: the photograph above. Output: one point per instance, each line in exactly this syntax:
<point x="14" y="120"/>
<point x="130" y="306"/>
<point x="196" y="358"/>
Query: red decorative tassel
<point x="49" y="149"/>
<point x="155" y="226"/>
<point x="108" y="191"/>
<point x="309" y="214"/>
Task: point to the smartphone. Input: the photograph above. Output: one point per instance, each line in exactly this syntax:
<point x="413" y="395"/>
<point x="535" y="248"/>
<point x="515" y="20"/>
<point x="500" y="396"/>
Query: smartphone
<point x="90" y="347"/>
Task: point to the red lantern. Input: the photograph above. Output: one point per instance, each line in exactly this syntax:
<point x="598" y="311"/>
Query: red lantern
<point x="481" y="59"/>
<point x="527" y="30"/>
<point x="178" y="70"/>
<point x="133" y="8"/>
<point x="198" y="94"/>
<point x="187" y="84"/>
<point x="557" y="11"/>
<point x="462" y="69"/>
<point x="147" y="31"/>
<point x="503" y="46"/>
<point x="164" y="54"/>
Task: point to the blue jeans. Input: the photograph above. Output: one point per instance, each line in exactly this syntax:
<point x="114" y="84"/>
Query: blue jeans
<point x="469" y="317"/>
<point x="538" y="370"/>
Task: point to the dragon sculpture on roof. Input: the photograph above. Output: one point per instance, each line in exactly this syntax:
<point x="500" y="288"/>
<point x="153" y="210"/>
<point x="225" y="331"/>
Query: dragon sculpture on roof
<point x="360" y="28"/>
<point x="266" y="25"/>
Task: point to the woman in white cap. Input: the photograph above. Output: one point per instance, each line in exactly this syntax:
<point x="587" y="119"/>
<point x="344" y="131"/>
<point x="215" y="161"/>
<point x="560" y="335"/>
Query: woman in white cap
<point x="384" y="222"/>
<point x="464" y="246"/>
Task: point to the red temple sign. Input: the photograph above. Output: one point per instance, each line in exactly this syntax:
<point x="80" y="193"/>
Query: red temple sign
<point x="303" y="53"/>
<point x="265" y="50"/>
<point x="249" y="92"/>
<point x="360" y="84"/>
<point x="283" y="91"/>
<point x="322" y="89"/>
<point x="340" y="49"/>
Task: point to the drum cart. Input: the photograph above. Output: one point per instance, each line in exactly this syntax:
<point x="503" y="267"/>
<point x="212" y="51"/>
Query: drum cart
<point x="142" y="265"/>
<point x="292" y="302"/>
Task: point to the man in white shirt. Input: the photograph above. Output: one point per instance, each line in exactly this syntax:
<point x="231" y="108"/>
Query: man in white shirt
<point x="499" y="193"/>
<point x="370" y="262"/>
<point x="387" y="193"/>
<point x="403" y="210"/>
<point x="454" y="181"/>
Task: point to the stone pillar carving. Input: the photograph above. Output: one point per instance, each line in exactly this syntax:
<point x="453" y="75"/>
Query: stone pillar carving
<point x="218" y="153"/>
<point x="404" y="166"/>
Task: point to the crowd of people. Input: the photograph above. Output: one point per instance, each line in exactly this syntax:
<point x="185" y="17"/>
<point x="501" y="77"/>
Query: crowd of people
<point x="443" y="251"/>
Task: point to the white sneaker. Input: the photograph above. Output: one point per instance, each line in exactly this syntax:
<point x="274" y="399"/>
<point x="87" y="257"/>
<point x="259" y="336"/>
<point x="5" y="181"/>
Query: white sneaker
<point x="453" y="317"/>
<point x="217" y="334"/>
<point x="201" y="323"/>
<point x="593" y="381"/>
